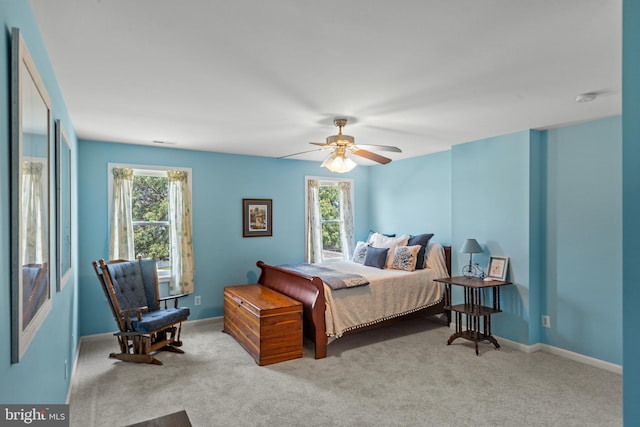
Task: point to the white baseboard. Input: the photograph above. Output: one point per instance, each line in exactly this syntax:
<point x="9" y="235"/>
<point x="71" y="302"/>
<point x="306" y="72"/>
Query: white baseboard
<point x="577" y="357"/>
<point x="519" y="346"/>
<point x="94" y="337"/>
<point x="74" y="365"/>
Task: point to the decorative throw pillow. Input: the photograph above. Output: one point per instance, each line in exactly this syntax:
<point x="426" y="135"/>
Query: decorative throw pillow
<point x="423" y="241"/>
<point x="405" y="257"/>
<point x="376" y="257"/>
<point x="371" y="233"/>
<point x="381" y="241"/>
<point x="360" y="252"/>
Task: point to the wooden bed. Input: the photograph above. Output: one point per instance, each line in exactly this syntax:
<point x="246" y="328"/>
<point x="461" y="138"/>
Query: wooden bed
<point x="309" y="290"/>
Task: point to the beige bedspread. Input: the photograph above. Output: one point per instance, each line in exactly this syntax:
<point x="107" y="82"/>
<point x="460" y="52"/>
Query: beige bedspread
<point x="390" y="293"/>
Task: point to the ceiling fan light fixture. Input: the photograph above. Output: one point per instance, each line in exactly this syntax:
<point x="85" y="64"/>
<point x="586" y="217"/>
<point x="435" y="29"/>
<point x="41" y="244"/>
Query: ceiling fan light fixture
<point x="338" y="162"/>
<point x="340" y="144"/>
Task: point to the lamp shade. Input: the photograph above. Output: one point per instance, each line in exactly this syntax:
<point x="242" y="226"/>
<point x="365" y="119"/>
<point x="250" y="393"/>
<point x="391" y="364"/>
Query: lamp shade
<point x="471" y="246"/>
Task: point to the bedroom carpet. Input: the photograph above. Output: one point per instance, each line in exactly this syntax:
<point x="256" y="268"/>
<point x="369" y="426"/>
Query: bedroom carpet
<point x="401" y="375"/>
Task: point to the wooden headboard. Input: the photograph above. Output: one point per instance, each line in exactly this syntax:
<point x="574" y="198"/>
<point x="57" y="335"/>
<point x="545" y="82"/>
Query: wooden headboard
<point x="447" y="258"/>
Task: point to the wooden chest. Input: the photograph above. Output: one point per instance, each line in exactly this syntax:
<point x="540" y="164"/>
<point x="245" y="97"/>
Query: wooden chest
<point x="265" y="322"/>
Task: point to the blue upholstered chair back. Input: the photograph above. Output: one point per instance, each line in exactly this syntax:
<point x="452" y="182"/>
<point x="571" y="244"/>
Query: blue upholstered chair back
<point x="134" y="283"/>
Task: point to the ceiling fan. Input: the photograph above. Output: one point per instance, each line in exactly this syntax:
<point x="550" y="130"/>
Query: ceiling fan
<point x="340" y="144"/>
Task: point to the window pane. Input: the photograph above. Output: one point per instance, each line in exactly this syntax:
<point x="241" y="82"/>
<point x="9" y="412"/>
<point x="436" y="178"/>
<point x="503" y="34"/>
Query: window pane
<point x="329" y="203"/>
<point x="329" y="198"/>
<point x="331" y="243"/>
<point x="150" y="240"/>
<point x="150" y="198"/>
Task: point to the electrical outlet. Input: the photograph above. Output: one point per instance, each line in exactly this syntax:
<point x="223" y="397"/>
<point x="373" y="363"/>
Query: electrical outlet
<point x="546" y="321"/>
<point x="197" y="300"/>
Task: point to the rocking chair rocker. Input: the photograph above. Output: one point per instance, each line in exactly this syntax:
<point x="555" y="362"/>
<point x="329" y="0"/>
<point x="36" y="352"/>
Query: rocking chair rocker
<point x="131" y="288"/>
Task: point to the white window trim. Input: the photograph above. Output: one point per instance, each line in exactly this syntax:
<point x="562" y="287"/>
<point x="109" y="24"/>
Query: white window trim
<point x="150" y="170"/>
<point x="326" y="180"/>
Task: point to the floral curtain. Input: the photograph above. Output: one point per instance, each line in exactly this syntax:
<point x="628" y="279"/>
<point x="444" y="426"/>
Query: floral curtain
<point x="314" y="223"/>
<point x="346" y="220"/>
<point x="181" y="245"/>
<point x="34" y="224"/>
<point x="121" y="241"/>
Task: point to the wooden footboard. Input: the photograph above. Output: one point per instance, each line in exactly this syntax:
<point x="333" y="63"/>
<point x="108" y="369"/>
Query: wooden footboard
<point x="310" y="292"/>
<point x="306" y="289"/>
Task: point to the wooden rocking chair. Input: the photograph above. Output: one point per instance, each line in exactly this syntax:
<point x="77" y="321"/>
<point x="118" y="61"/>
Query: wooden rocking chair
<point x="131" y="288"/>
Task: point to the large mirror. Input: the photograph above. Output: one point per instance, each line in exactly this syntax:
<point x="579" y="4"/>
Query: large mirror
<point x="63" y="190"/>
<point x="30" y="199"/>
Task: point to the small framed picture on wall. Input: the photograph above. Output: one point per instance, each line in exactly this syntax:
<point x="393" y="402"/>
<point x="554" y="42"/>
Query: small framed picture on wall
<point x="256" y="217"/>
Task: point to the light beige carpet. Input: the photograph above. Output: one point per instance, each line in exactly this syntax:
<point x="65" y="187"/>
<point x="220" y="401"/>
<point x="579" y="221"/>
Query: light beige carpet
<point x="402" y="375"/>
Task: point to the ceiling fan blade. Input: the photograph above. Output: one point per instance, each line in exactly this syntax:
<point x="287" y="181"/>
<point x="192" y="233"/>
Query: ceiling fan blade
<point x="323" y="146"/>
<point x="371" y="156"/>
<point x="302" y="152"/>
<point x="380" y="147"/>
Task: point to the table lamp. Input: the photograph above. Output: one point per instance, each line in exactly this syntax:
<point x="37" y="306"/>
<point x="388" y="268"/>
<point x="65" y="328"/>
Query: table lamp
<point x="470" y="247"/>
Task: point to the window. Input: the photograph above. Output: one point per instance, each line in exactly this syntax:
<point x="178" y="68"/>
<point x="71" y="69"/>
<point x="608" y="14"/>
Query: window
<point x="329" y="219"/>
<point x="150" y="217"/>
<point x="329" y="199"/>
<point x="150" y="210"/>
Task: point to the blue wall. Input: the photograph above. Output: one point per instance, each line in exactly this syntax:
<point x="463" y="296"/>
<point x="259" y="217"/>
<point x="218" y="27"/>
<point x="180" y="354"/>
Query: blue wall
<point x="219" y="183"/>
<point x="631" y="210"/>
<point x="413" y="196"/>
<point x="583" y="247"/>
<point x="43" y="374"/>
<point x="491" y="191"/>
<point x="549" y="200"/>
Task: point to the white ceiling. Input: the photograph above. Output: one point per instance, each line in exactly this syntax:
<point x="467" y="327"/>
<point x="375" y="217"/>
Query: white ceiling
<point x="264" y="77"/>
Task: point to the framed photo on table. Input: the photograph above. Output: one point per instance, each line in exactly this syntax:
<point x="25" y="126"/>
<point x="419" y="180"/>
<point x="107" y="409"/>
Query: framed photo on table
<point x="498" y="266"/>
<point x="256" y="217"/>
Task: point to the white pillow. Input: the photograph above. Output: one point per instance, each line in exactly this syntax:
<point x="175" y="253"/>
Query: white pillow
<point x="360" y="252"/>
<point x="405" y="257"/>
<point x="381" y="241"/>
<point x="372" y="237"/>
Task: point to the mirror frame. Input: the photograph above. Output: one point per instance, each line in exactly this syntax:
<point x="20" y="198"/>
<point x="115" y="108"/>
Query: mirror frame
<point x="63" y="202"/>
<point x="24" y="73"/>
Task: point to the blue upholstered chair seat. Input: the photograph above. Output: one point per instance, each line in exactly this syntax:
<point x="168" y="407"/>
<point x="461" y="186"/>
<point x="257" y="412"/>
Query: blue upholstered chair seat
<point x="154" y="320"/>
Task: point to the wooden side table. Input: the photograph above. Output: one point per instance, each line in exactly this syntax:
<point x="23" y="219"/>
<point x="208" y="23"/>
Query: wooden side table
<point x="474" y="307"/>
